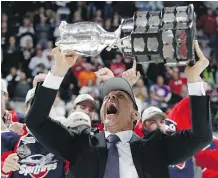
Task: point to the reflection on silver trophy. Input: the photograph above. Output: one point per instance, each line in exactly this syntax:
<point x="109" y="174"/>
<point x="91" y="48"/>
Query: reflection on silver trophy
<point x="150" y="36"/>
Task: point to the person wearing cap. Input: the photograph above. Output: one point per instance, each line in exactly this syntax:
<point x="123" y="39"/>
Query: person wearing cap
<point x="86" y="103"/>
<point x="117" y="152"/>
<point x="10" y="119"/>
<point x="153" y="118"/>
<point x="22" y="156"/>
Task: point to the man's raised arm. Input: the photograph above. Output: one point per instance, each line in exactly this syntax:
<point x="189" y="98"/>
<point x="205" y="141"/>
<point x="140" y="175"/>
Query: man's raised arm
<point x="181" y="146"/>
<point x="52" y="134"/>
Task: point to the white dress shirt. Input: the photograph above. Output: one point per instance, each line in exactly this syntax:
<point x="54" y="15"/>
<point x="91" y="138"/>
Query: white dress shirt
<point x="127" y="167"/>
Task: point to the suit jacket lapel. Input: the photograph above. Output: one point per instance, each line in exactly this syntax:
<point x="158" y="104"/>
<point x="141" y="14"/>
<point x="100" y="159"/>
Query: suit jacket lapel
<point x="135" y="145"/>
<point x="102" y="153"/>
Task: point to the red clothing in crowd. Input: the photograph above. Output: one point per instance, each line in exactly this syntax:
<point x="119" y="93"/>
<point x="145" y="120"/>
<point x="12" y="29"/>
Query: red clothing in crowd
<point x="78" y="68"/>
<point x="118" y="69"/>
<point x="176" y="85"/>
<point x="208" y="24"/>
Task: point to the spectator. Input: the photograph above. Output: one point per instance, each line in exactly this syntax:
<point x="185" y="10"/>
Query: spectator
<point x="90" y="88"/>
<point x="26" y="27"/>
<point x="77" y="17"/>
<point x="4" y="34"/>
<point x="40" y="13"/>
<point x="79" y="67"/>
<point x="42" y="32"/>
<point x="63" y="10"/>
<point x="26" y="32"/>
<point x="98" y="18"/>
<point x="209" y="73"/>
<point x="140" y="91"/>
<point x="36" y="60"/>
<point x="12" y="55"/>
<point x="28" y="52"/>
<point x="86" y="75"/>
<point x="205" y="49"/>
<point x="176" y="82"/>
<point x="12" y="79"/>
<point x="116" y="21"/>
<point x="47" y="53"/>
<point x="209" y="25"/>
<point x="152" y="101"/>
<point x="58" y="108"/>
<point x="91" y="10"/>
<point x="108" y="10"/>
<point x="184" y="91"/>
<point x="4" y="18"/>
<point x="162" y="91"/>
<point x="55" y="20"/>
<point x="23" y="86"/>
<point x="82" y="9"/>
<point x="117" y="67"/>
<point x="97" y="62"/>
<point x="107" y="25"/>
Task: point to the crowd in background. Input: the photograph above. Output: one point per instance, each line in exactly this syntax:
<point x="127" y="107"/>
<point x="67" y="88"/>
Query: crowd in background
<point x="29" y="31"/>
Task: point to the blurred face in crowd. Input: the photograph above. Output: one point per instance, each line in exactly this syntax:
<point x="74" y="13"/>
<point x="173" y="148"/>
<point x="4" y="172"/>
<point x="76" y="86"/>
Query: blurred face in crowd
<point x="99" y="13"/>
<point x="26" y="22"/>
<point x="140" y="83"/>
<point x="39" y="52"/>
<point x="117" y="112"/>
<point x="4" y="26"/>
<point x="4" y="18"/>
<point x="160" y="80"/>
<point x="108" y="24"/>
<point x="156" y="122"/>
<point x="49" y="45"/>
<point x="77" y="16"/>
<point x="12" y="40"/>
<point x="28" y="43"/>
<point x="41" y="10"/>
<point x="175" y="75"/>
<point x="86" y="107"/>
<point x="22" y="76"/>
<point x="13" y="71"/>
<point x="184" y="91"/>
<point x="81" y="3"/>
<point x="152" y="95"/>
<point x="42" y="20"/>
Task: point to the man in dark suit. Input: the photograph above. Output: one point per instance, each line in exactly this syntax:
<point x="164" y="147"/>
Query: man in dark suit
<point x="118" y="152"/>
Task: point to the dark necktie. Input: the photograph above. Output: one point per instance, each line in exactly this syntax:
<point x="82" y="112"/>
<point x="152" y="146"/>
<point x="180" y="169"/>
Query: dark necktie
<point x="112" y="166"/>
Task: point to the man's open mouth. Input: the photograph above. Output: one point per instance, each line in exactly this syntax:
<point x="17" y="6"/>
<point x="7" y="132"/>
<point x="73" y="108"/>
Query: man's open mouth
<point x="111" y="109"/>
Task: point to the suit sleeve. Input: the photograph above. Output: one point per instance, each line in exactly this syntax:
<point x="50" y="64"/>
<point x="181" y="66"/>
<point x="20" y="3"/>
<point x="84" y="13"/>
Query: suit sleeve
<point x="52" y="134"/>
<point x="180" y="146"/>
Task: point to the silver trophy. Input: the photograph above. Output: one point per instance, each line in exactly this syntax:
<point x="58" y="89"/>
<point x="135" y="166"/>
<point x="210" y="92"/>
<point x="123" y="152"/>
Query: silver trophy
<point x="150" y="36"/>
